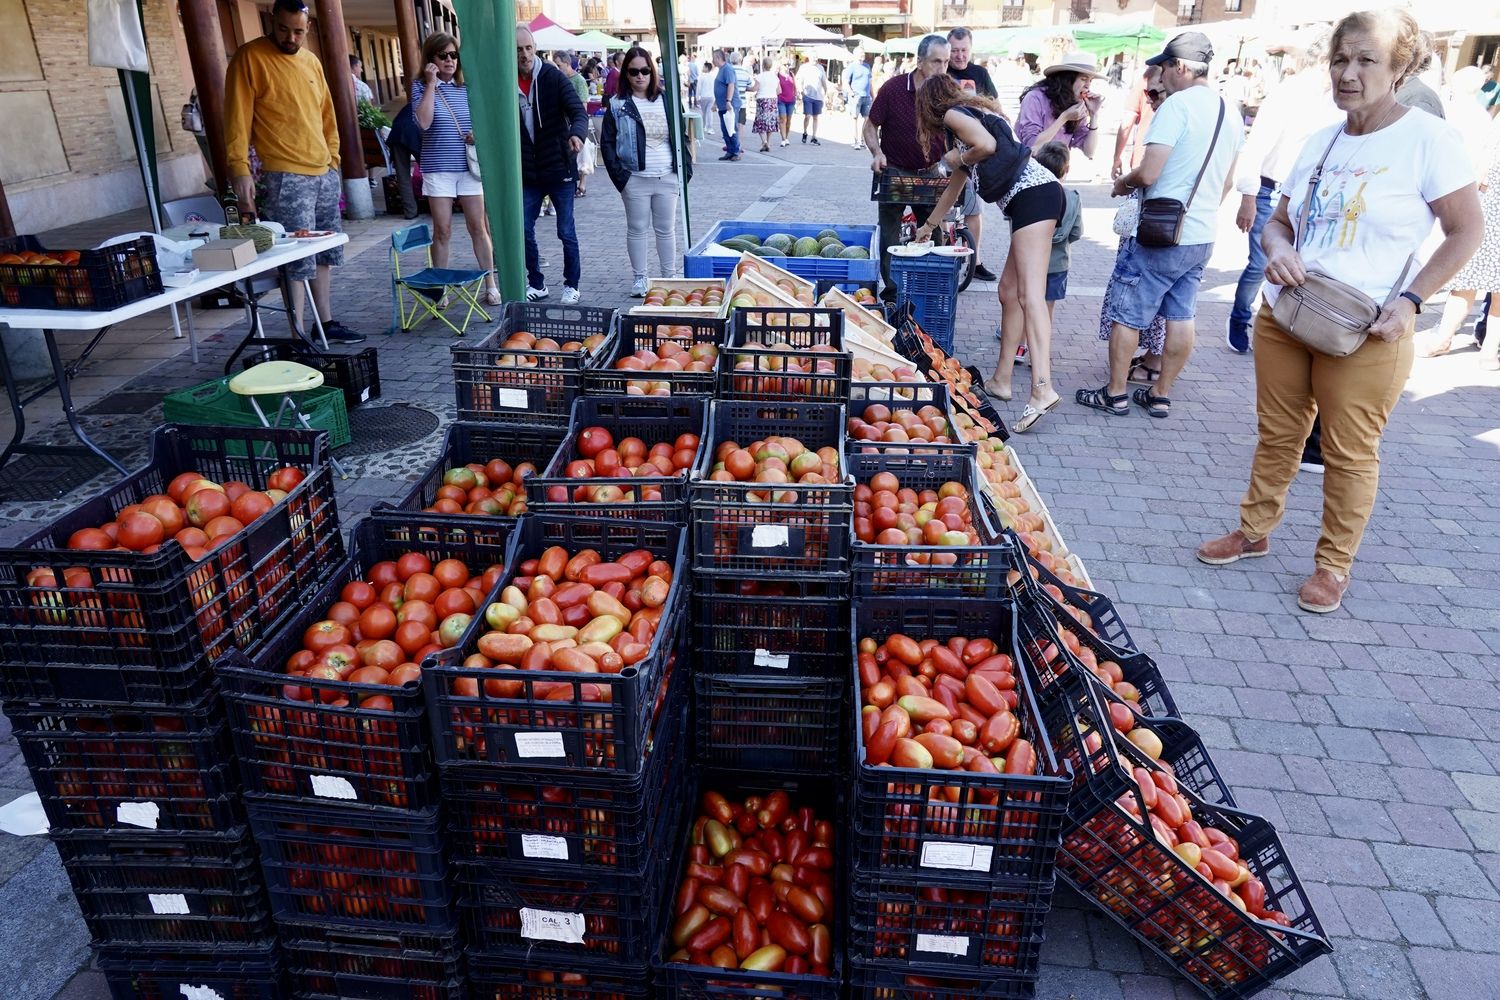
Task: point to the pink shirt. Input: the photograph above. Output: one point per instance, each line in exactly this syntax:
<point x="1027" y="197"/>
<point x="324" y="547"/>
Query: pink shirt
<point x="1036" y="117"/>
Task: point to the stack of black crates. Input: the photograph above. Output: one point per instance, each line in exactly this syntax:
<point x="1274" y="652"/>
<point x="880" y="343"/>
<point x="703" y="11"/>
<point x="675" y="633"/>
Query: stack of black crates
<point x="108" y="685"/>
<point x="342" y="794"/>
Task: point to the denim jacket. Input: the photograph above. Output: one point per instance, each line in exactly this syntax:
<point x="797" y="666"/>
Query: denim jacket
<point x="623" y="143"/>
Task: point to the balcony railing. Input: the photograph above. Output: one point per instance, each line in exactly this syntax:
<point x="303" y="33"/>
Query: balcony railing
<point x="1012" y="13"/>
<point x="955" y="11"/>
<point x="528" y="10"/>
<point x="595" y="11"/>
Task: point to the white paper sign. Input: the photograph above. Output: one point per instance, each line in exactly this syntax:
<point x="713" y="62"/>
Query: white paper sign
<point x="512" y="399"/>
<point x="766" y="658"/>
<point x="331" y="786"/>
<point x="364" y="394"/>
<point x="551" y="925"/>
<point x="536" y="845"/>
<point x="540" y="745"/>
<point x="141" y="814"/>
<point x="168" y="902"/>
<point x="199" y="992"/>
<point x="943" y="944"/>
<point x="959" y="857"/>
<point x="766" y="536"/>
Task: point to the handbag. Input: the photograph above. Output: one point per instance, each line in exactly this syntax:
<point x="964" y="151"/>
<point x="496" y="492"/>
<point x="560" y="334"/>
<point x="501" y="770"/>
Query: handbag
<point x="1161" y="219"/>
<point x="1128" y="215"/>
<point x="1324" y="313"/>
<point x="471" y="155"/>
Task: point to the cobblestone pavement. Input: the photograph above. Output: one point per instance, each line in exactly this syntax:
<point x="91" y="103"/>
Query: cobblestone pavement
<point x="1366" y="736"/>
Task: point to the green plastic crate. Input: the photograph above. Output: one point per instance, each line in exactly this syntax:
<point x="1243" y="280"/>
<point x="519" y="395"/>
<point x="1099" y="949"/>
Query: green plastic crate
<point x="213" y="403"/>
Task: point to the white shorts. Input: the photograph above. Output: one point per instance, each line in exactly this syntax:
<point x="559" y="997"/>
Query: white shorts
<point x="450" y="184"/>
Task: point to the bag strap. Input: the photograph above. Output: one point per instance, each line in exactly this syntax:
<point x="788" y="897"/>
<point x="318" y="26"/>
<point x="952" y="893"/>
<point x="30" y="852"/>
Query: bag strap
<point x="1206" y="157"/>
<point x="1312" y="186"/>
<point x="444" y="98"/>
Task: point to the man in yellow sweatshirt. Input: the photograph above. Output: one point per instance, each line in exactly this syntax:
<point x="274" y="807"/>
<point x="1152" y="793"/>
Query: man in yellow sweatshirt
<point x="275" y="96"/>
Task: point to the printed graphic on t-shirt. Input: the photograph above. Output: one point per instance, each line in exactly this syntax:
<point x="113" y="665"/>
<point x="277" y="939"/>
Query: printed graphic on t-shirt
<point x="1338" y="202"/>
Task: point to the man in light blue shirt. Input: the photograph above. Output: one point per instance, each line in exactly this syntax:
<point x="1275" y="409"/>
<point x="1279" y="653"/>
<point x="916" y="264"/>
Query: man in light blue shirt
<point x="1191" y="147"/>
<point x="857" y="92"/>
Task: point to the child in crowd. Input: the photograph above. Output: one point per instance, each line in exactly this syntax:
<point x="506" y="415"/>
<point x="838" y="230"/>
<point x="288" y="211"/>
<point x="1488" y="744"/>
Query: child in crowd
<point x="1054" y="156"/>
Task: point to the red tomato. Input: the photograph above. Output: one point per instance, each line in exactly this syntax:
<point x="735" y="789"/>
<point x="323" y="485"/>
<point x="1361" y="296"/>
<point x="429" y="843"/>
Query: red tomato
<point x="412" y="636"/>
<point x="139" y="529"/>
<point x="180" y="483"/>
<point x="411" y="564"/>
<point x="384" y="654"/>
<point x="593" y="440"/>
<point x="418" y="611"/>
<point x="225" y="525"/>
<point x="324" y="634"/>
<point x="358" y="593"/>
<point x="451" y="573"/>
<point x="166" y="510"/>
<point x="344" y="613"/>
<point x="377" y="622"/>
<point x="392" y="595"/>
<point x="234" y="489"/>
<point x="422" y="587"/>
<point x="191" y="538"/>
<point x="205" y="505"/>
<point x="251" y="505"/>
<point x="383" y="573"/>
<point x="454" y="602"/>
<point x="498" y="472"/>
<point x="90" y="538"/>
<point x="285" y="478"/>
<point x="406" y="673"/>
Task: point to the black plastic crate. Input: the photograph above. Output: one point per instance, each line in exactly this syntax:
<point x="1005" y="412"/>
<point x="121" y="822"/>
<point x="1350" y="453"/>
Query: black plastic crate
<point x="770" y="724"/>
<point x="564" y="826"/>
<point x="654" y="421"/>
<point x="514" y="444"/>
<point x="353" y="866"/>
<point x="944" y="928"/>
<point x="1062" y="652"/>
<point x="520" y="976"/>
<point x="533" y="387"/>
<point x="702" y="982"/>
<point x="358" y="375"/>
<point x="510" y="908"/>
<point x="768" y="377"/>
<point x="897" y="981"/>
<point x="736" y="526"/>
<point x="1120" y="862"/>
<point x="186" y="892"/>
<point x="1078" y="716"/>
<point x="131" y="628"/>
<point x="573" y="722"/>
<point x="232" y="974"/>
<point x="907" y="187"/>
<point x="923" y="395"/>
<point x="897" y="395"/>
<point x="943" y="571"/>
<point x="770" y="626"/>
<point x="339" y="964"/>
<point x="963" y="824"/>
<point x="1100" y="616"/>
<point x="649" y="332"/>
<point x="314" y="739"/>
<point x="98" y="769"/>
<point x="101" y="279"/>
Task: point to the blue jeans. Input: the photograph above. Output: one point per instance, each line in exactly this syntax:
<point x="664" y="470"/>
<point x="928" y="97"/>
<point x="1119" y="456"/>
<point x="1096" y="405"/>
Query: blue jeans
<point x="561" y="194"/>
<point x="731" y="136"/>
<point x="1254" y="273"/>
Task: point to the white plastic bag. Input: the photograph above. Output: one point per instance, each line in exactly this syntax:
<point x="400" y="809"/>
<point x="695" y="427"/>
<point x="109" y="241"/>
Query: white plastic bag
<point x="1128" y="215"/>
<point x="116" y="39"/>
<point x="586" y="158"/>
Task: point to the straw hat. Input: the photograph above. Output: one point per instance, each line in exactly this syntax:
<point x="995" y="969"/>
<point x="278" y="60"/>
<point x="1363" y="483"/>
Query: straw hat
<point x="1074" y="62"/>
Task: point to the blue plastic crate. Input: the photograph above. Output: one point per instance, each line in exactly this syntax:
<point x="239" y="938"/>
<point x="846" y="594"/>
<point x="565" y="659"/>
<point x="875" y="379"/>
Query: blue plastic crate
<point x="697" y="264"/>
<point x="930" y="284"/>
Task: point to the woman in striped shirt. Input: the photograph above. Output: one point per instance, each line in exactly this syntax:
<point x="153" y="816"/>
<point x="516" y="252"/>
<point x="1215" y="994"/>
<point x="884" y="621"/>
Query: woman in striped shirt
<point x="440" y="102"/>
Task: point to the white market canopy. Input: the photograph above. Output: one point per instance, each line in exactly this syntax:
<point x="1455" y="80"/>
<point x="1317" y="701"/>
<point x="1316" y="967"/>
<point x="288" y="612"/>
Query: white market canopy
<point x="550" y="36"/>
<point x="867" y="44"/>
<point x="750" y="29"/>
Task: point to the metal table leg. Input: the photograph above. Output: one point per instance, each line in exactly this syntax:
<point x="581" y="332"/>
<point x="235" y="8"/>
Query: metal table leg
<point x="61" y="377"/>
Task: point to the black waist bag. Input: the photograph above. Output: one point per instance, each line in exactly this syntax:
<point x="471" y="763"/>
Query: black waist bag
<point x="1161" y="219"/>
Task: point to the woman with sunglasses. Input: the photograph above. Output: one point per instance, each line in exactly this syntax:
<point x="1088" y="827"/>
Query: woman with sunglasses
<point x="642" y="160"/>
<point x="440" y="102"/>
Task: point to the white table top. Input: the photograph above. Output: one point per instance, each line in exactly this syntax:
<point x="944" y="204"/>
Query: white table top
<point x="85" y="319"/>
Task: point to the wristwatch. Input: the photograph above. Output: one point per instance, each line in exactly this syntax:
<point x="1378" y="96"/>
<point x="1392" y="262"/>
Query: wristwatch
<point x="1414" y="299"/>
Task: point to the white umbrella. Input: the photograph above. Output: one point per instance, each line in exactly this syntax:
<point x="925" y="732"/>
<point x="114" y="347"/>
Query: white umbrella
<point x="739" y="31"/>
<point x="832" y="53"/>
<point x="791" y="27"/>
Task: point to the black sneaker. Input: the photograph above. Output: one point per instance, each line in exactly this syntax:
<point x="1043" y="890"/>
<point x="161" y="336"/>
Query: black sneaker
<point x="804" y="138"/>
<point x="339" y="333"/>
<point x="815" y="141"/>
<point x="983" y="273"/>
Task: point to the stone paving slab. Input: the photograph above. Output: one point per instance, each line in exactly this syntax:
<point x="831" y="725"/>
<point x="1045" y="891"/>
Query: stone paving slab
<point x="1366" y="735"/>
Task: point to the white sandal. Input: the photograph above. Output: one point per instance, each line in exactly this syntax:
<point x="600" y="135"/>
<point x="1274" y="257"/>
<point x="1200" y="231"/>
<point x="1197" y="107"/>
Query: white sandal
<point x="1030" y="415"/>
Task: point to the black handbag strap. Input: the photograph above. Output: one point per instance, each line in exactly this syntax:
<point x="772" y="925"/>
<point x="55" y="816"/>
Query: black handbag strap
<point x="1206" y="157"/>
<point x="1307" y="200"/>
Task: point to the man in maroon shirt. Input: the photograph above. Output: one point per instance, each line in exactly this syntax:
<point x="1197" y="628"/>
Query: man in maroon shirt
<point x="891" y="134"/>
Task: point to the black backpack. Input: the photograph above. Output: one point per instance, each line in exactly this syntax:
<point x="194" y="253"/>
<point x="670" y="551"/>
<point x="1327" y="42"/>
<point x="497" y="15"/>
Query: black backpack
<point x="998" y="172"/>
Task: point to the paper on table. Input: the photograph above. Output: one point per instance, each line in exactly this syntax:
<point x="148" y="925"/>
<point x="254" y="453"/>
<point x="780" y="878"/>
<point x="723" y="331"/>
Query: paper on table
<point x="23" y="817"/>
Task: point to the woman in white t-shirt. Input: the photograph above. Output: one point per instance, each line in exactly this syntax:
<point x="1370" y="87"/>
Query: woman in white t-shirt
<point x="767" y="92"/>
<point x="643" y="162"/>
<point x="1388" y="173"/>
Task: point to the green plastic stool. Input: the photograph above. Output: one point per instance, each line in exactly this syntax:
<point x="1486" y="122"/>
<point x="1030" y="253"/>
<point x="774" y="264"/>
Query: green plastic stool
<point x="280" y="378"/>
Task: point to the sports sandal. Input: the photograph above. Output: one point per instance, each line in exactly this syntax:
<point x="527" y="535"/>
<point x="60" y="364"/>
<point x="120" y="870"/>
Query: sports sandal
<point x="1142" y="373"/>
<point x="1158" y="406"/>
<point x="1100" y="399"/>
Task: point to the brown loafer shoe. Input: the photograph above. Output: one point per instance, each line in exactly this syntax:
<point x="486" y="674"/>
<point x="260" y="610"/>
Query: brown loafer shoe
<point x="1322" y="592"/>
<point x="1232" y="548"/>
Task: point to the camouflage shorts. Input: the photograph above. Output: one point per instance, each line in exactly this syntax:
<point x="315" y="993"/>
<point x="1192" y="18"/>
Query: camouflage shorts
<point x="305" y="201"/>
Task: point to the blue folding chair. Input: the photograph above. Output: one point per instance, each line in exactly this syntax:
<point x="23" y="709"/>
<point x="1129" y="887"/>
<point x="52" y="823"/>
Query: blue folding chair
<point x="426" y="290"/>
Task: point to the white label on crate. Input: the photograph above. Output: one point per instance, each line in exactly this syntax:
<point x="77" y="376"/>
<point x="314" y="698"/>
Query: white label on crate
<point x="199" y="992"/>
<point x="766" y="536"/>
<point x="364" y="394"/>
<point x="943" y="944"/>
<point x="142" y="814"/>
<point x="959" y="857"/>
<point x="540" y="745"/>
<point x="551" y="925"/>
<point x="512" y="399"/>
<point x="168" y="902"/>
<point x="535" y="845"/>
<point x="766" y="658"/>
<point x="331" y="786"/>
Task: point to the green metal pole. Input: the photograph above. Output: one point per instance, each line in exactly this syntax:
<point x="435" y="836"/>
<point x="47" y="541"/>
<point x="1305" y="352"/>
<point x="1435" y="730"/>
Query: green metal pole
<point x="489" y="55"/>
<point x="666" y="31"/>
